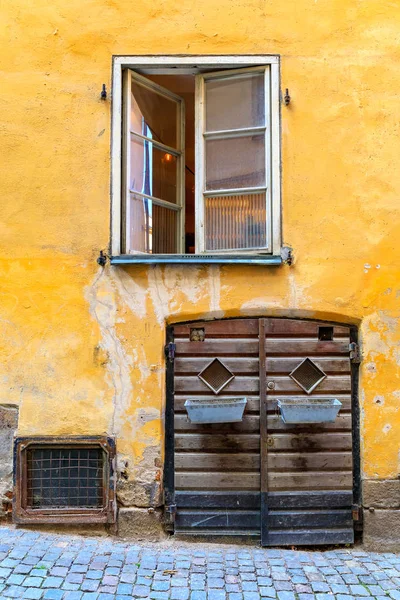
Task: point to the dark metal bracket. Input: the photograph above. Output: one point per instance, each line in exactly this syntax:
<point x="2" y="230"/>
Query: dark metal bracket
<point x="103" y="93"/>
<point x="102" y="259"/>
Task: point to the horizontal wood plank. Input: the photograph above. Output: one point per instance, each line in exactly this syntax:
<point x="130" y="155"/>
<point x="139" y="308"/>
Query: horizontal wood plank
<point x="302" y="347"/>
<point x="332" y="383"/>
<point x="227" y="443"/>
<point x="337" y="480"/>
<point x="310" y="499"/>
<point x="225" y="327"/>
<point x="301" y="328"/>
<point x="310" y="537"/>
<point x="250" y="365"/>
<point x="250" y="423"/>
<point x="216" y="461"/>
<point x="239" y="385"/>
<point x="205" y="519"/>
<point x="341" y="423"/>
<point x="203" y="499"/>
<point x="217" y="348"/>
<point x="191" y="384"/>
<point x="312" y="442"/>
<point x="237" y="364"/>
<point x="217" y="481"/>
<point x="310" y="519"/>
<point x="291" y="461"/>
<point x="311" y="461"/>
<point x="337" y="365"/>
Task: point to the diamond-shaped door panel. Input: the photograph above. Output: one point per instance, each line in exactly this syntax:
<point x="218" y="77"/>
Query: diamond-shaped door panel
<point x="216" y="376"/>
<point x="307" y="375"/>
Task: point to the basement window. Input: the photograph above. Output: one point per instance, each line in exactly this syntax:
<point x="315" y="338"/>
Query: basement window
<point x="197" y="145"/>
<point x="64" y="480"/>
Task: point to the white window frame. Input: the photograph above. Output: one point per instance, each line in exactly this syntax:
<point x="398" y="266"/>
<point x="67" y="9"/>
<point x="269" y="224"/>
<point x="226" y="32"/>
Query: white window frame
<point x="179" y="207"/>
<point x="193" y="65"/>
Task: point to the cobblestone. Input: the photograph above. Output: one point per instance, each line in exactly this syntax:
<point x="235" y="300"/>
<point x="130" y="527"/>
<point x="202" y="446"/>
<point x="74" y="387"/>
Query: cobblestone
<point x="43" y="566"/>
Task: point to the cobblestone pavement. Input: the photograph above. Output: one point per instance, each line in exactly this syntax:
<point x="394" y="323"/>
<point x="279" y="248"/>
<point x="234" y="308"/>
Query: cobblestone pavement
<point x="70" y="567"/>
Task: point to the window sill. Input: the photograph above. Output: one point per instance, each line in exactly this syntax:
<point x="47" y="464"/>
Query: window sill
<point x="197" y="259"/>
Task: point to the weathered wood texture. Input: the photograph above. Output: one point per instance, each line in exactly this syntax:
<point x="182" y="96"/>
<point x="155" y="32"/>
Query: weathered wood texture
<point x="293" y="483"/>
<point x="303" y="459"/>
<point x="220" y="457"/>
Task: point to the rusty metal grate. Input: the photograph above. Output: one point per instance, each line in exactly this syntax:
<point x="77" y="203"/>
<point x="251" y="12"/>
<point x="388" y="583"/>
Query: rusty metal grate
<point x="307" y="375"/>
<point x="59" y="478"/>
<point x="216" y="375"/>
<point x="65" y="479"/>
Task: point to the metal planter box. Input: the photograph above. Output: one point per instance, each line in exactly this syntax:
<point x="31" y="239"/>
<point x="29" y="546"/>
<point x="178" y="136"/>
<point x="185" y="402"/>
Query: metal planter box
<point x="309" y="410"/>
<point x="220" y="410"/>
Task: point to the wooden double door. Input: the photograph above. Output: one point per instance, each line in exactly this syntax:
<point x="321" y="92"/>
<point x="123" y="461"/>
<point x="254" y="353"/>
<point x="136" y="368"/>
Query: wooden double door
<point x="289" y="484"/>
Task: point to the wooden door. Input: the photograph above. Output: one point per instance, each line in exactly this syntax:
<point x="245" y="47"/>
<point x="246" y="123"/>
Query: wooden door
<point x="217" y="467"/>
<point x="291" y="483"/>
<point x="307" y="471"/>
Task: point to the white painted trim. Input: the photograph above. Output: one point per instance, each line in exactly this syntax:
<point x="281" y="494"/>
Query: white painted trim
<point x="190" y="64"/>
<point x="126" y="242"/>
<point x="269" y="217"/>
<point x="116" y="158"/>
<point x="276" y="162"/>
<point x="199" y="165"/>
<point x="195" y="62"/>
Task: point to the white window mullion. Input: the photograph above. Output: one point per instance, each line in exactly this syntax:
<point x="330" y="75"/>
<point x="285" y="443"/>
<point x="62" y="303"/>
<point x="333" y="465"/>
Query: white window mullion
<point x="275" y="161"/>
<point x="200" y="165"/>
<point x="269" y="212"/>
<point x="126" y="223"/>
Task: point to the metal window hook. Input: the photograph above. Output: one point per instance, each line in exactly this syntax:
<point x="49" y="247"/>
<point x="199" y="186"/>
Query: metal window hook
<point x="102" y="259"/>
<point x="286" y="98"/>
<point x="103" y="93"/>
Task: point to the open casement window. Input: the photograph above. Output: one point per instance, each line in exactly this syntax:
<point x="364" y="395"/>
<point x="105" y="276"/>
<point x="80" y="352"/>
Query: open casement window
<point x="233" y="161"/>
<point x="153" y="207"/>
<point x="231" y="173"/>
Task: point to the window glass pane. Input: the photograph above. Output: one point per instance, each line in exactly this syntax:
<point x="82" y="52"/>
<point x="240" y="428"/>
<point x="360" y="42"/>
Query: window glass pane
<point x="235" y="222"/>
<point x="235" y="162"/>
<point x="153" y="171"/>
<point x="153" y="115"/>
<point x="153" y="228"/>
<point x="235" y="102"/>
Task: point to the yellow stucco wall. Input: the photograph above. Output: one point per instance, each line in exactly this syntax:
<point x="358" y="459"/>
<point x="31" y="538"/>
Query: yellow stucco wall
<point x="82" y="347"/>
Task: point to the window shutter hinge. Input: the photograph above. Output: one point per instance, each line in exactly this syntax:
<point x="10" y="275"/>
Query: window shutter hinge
<point x="355" y="355"/>
<point x="170" y="351"/>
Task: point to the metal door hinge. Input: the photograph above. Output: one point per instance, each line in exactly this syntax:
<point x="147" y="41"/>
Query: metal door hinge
<point x="170" y="351"/>
<point x="356" y="512"/>
<point x="170" y="513"/>
<point x="355" y="355"/>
